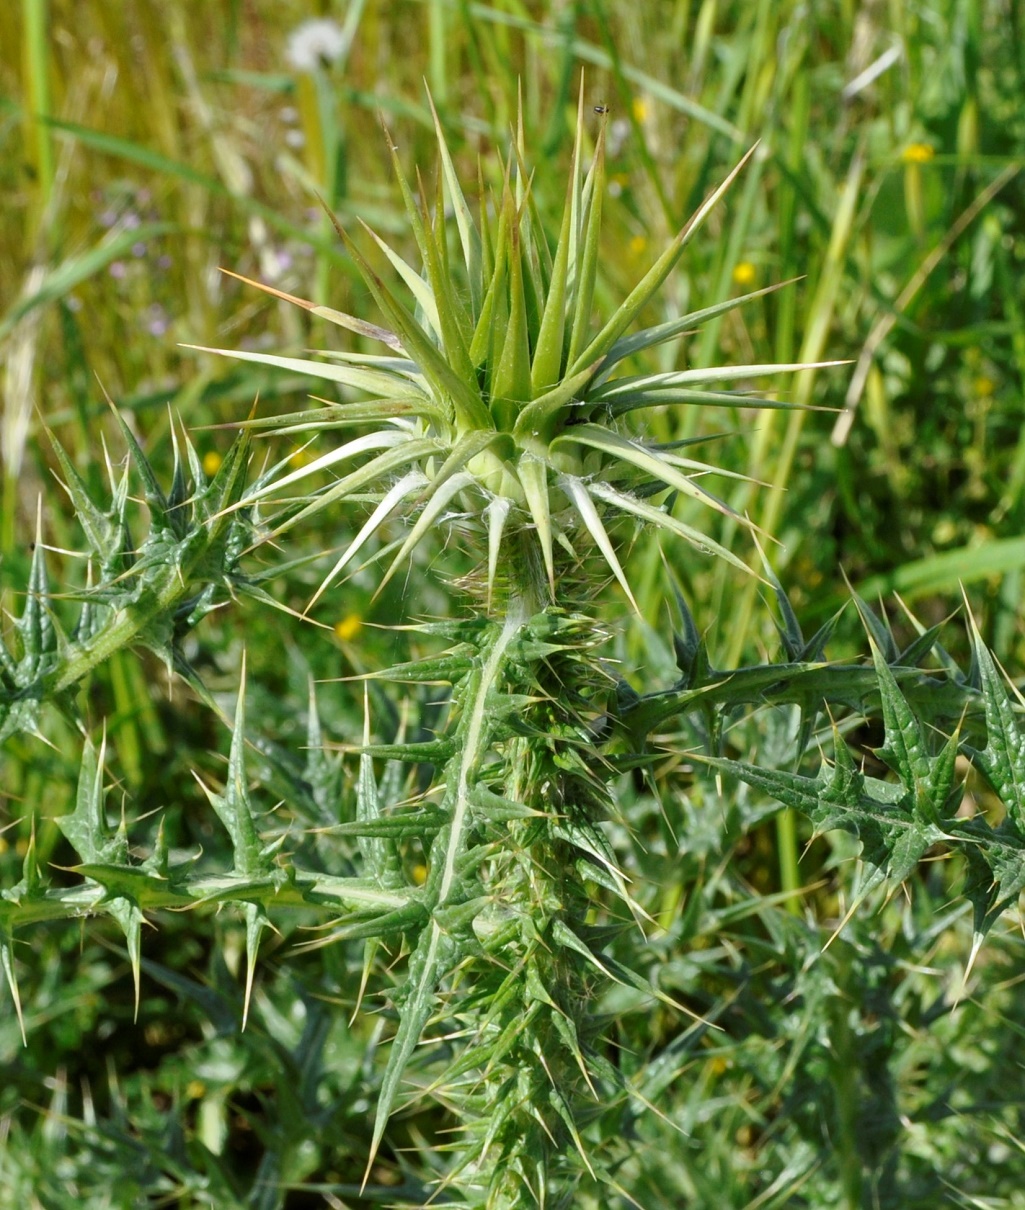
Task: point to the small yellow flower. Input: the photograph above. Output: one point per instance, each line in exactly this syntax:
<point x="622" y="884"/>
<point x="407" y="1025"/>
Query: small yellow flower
<point x="300" y="459"/>
<point x="944" y="532"/>
<point x="347" y="629"/>
<point x="917" y="153"/>
<point x="638" y="244"/>
<point x="984" y="386"/>
<point x="211" y="462"/>
<point x="744" y="273"/>
<point x="640" y="109"/>
<point x="195" y="1089"/>
<point x="419" y="874"/>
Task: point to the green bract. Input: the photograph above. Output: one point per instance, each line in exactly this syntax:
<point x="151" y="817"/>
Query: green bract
<point x="496" y="399"/>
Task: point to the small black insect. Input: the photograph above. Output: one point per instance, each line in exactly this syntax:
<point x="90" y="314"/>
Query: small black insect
<point x="602" y="109"/>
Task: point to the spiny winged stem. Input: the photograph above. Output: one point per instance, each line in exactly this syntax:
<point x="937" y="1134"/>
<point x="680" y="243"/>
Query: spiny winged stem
<point x="511" y="892"/>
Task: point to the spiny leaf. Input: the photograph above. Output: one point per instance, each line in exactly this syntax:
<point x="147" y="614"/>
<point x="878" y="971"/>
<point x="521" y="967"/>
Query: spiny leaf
<point x="86" y="827"/>
<point x="374" y="382"/>
<point x="7" y="962"/>
<point x="387" y="439"/>
<point x="929" y="780"/>
<point x="381" y="857"/>
<point x="647" y="460"/>
<point x="350" y="322"/>
<point x="535" y="420"/>
<point x="405" y="487"/>
<point x="468" y="235"/>
<point x="533" y="475"/>
<point x="155" y="497"/>
<point x="593" y="524"/>
<point x="627" y="346"/>
<point x="645" y="290"/>
<point x="789" y="631"/>
<point x="510" y="385"/>
<point x="470" y="410"/>
<point x="877" y="629"/>
<point x="495" y="306"/>
<point x="38" y="634"/>
<point x="464" y="451"/>
<point x="1002" y="761"/>
<point x="433" y="957"/>
<point x="234" y="806"/>
<point x="663" y="519"/>
<point x="497" y="512"/>
<point x="396" y="455"/>
<point x="587" y="264"/>
<point x="94" y="524"/>
<point x="256" y="921"/>
<point x="654" y="385"/>
<point x="420" y="289"/>
<point x="89" y="832"/>
<point x="435" y="506"/>
<point x="548" y="353"/>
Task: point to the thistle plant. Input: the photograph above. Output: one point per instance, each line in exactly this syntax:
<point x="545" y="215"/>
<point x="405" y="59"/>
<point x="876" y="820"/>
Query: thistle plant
<point x="497" y="409"/>
<point x="502" y="412"/>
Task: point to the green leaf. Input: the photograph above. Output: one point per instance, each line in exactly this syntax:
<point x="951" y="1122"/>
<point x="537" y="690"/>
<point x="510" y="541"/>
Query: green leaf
<point x="535" y="421"/>
<point x="233" y="806"/>
<point x="645" y="290"/>
<point x="88" y="831"/>
<point x="533" y="476"/>
<point x="86" y="827"/>
<point x="468" y="235"/>
<point x="95" y="524"/>
<point x="434" y="955"/>
<point x="877" y="629"/>
<point x="587" y="265"/>
<point x="655" y="383"/>
<point x="381" y="858"/>
<point x="439" y="499"/>
<point x="1002" y="761"/>
<point x="470" y="410"/>
<point x="7" y="962"/>
<point x="627" y="346"/>
<point x="155" y="498"/>
<point x="510" y="385"/>
<point x="35" y="627"/>
<point x="929" y="780"/>
<point x="339" y="318"/>
<point x="494" y="309"/>
<point x="624" y="450"/>
<point x="386" y="439"/>
<point x="584" y="505"/>
<point x="497" y="512"/>
<point x="405" y="487"/>
<point x="395" y="387"/>
<point x="547" y="366"/>
<point x="665" y="520"/>
<point x="410" y="450"/>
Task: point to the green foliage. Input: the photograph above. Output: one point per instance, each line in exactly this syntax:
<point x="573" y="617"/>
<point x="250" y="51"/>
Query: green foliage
<point x="526" y="921"/>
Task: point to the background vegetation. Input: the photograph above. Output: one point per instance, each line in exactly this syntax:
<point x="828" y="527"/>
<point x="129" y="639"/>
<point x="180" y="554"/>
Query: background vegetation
<point x="145" y="145"/>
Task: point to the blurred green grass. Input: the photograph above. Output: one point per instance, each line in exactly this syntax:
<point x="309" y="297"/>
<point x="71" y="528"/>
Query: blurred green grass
<point x="145" y="145"/>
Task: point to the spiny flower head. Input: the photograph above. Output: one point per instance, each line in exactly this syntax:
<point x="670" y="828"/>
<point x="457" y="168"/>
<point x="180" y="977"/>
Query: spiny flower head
<point x="496" y="399"/>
